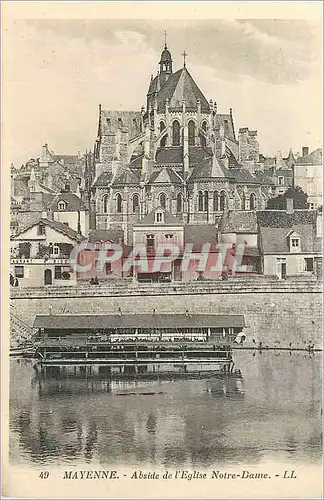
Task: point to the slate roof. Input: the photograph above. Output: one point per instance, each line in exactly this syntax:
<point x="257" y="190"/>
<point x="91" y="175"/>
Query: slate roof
<point x="95" y="321"/>
<point x="243" y="176"/>
<point x="128" y="176"/>
<point x="264" y="178"/>
<point x="165" y="176"/>
<point x="239" y="222"/>
<point x="149" y="219"/>
<point x="57" y="226"/>
<point x="105" y="235"/>
<point x="198" y="234"/>
<point x="174" y="155"/>
<point x="290" y="160"/>
<point x="104" y="179"/>
<point x="210" y="168"/>
<point x="314" y="158"/>
<point x="73" y="203"/>
<point x="67" y="159"/>
<point x="178" y="87"/>
<point x="276" y="224"/>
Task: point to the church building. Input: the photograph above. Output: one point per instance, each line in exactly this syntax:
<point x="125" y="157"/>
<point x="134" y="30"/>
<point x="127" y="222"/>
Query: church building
<point x="178" y="153"/>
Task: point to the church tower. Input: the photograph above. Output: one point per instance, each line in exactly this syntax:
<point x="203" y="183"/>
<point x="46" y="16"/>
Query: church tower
<point x="165" y="65"/>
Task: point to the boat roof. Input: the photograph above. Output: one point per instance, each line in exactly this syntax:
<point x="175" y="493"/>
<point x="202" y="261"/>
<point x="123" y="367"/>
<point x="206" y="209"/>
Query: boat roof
<point x="93" y="322"/>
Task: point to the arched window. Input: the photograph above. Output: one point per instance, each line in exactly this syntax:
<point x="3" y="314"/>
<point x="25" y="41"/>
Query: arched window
<point x="118" y="203"/>
<point x="135" y="203"/>
<point x="162" y="126"/>
<point x="163" y="141"/>
<point x="206" y="201"/>
<point x="243" y="201"/>
<point x="216" y="202"/>
<point x="191" y="133"/>
<point x="222" y="201"/>
<point x="252" y="202"/>
<point x="105" y="204"/>
<point x="200" y="201"/>
<point x="179" y="203"/>
<point x="203" y="141"/>
<point x="162" y="200"/>
<point x="176" y="133"/>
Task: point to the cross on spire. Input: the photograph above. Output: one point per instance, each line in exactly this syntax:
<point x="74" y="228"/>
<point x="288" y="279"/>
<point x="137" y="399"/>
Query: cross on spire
<point x="165" y="39"/>
<point x="184" y="54"/>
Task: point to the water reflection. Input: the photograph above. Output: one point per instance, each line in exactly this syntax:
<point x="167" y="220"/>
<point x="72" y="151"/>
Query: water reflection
<point x="70" y="415"/>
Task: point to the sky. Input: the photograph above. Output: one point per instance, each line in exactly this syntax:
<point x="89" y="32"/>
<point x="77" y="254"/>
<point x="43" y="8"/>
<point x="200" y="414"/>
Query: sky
<point x="58" y="72"/>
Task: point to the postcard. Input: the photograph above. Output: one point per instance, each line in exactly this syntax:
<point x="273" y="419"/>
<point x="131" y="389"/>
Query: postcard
<point x="162" y="228"/>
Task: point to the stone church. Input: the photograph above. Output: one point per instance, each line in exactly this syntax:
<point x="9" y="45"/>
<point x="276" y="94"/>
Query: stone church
<point x="177" y="153"/>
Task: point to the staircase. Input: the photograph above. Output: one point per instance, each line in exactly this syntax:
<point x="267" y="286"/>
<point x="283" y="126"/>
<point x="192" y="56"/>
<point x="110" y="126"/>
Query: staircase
<point x="20" y="332"/>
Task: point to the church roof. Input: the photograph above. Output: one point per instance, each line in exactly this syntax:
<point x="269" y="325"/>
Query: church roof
<point x="165" y="176"/>
<point x="169" y="219"/>
<point x="181" y="86"/>
<point x="210" y="168"/>
<point x="104" y="179"/>
<point x="174" y="155"/>
<point x="165" y="55"/>
<point x="128" y="176"/>
<point x="264" y="178"/>
<point x="243" y="176"/>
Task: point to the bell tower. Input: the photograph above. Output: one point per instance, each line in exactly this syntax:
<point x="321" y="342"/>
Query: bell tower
<point x="165" y="63"/>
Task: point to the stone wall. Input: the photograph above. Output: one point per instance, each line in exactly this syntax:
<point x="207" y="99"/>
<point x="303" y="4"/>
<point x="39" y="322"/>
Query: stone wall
<point x="275" y="311"/>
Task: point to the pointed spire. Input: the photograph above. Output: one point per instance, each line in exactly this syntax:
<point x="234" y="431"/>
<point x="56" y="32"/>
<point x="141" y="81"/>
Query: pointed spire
<point x="165" y="39"/>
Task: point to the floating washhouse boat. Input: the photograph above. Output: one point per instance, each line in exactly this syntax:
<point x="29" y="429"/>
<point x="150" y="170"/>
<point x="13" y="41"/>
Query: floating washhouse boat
<point x="138" y="340"/>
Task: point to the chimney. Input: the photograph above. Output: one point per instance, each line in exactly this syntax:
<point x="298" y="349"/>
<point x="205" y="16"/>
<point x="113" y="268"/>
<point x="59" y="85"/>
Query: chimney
<point x="290" y="205"/>
<point x="305" y="150"/>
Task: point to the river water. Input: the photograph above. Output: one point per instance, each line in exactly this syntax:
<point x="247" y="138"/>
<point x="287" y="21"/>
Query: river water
<point x="271" y="412"/>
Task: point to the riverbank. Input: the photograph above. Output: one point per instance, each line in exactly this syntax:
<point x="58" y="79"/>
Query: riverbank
<point x="287" y="314"/>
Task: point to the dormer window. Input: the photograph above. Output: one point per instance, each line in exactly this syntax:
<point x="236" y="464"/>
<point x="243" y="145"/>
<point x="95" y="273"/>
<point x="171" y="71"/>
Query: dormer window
<point x="294" y="242"/>
<point x="159" y="217"/>
<point x="56" y="250"/>
<point x="61" y="205"/>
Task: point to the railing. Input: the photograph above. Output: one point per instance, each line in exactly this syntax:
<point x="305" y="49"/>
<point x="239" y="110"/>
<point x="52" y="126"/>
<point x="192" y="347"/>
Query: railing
<point x="232" y="285"/>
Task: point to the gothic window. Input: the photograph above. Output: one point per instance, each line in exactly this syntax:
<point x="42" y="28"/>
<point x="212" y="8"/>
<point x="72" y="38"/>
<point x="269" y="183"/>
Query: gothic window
<point x="118" y="203"/>
<point x="206" y="201"/>
<point x="202" y="137"/>
<point x="215" y="202"/>
<point x="226" y="127"/>
<point x="162" y="200"/>
<point x="252" y="202"/>
<point x="105" y="204"/>
<point x="200" y="202"/>
<point x="179" y="203"/>
<point x="163" y="141"/>
<point x="243" y="201"/>
<point x="135" y="203"/>
<point x="191" y="133"/>
<point x="162" y="126"/>
<point x="176" y="133"/>
<point x="222" y="201"/>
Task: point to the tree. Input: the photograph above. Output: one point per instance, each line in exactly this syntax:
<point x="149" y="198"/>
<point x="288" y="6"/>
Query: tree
<point x="280" y="202"/>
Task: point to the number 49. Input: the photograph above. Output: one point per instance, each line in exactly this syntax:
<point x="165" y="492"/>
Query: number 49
<point x="44" y="475"/>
